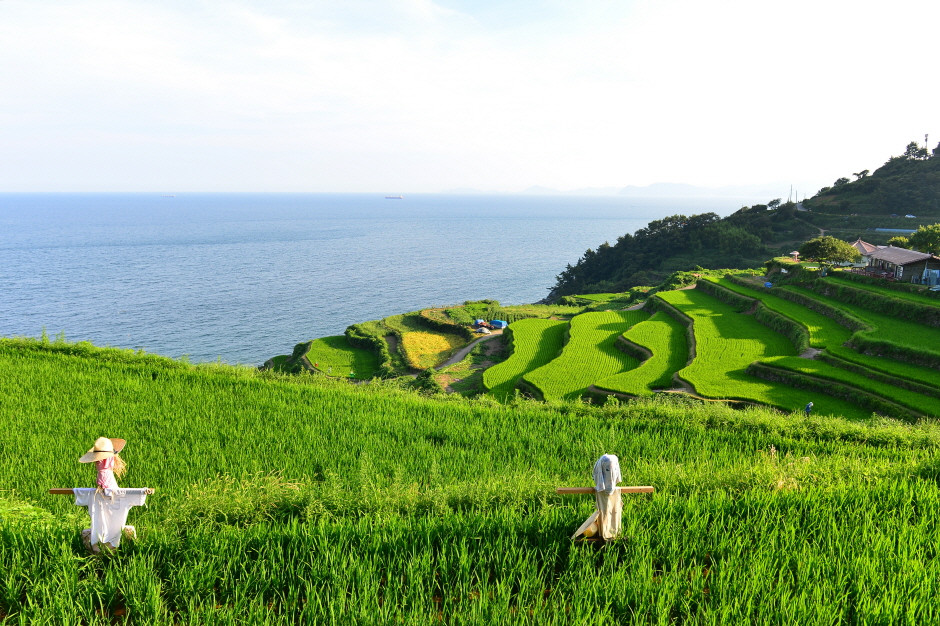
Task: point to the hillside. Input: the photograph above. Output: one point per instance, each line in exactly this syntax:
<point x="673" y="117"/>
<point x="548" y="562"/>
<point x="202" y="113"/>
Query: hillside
<point x="907" y="185"/>
<point x="853" y="345"/>
<point x="286" y="499"/>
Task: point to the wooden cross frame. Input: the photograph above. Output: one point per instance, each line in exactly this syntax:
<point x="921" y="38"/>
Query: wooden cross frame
<point x="596" y="522"/>
<point x="569" y="490"/>
<point x="69" y="491"/>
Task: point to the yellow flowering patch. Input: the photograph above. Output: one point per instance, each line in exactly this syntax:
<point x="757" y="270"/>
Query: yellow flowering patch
<point x="424" y="349"/>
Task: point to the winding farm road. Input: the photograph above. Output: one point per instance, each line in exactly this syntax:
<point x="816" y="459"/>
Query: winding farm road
<point x="460" y="354"/>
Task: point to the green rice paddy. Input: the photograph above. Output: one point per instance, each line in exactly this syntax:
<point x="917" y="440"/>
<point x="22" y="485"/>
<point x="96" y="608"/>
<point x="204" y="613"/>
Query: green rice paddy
<point x="590" y="355"/>
<point x="535" y="343"/>
<point x="726" y="342"/>
<point x="285" y="500"/>
<point x="665" y="338"/>
<point x="334" y="356"/>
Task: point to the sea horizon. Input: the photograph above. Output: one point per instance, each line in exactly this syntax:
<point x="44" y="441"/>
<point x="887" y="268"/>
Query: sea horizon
<point x="243" y="276"/>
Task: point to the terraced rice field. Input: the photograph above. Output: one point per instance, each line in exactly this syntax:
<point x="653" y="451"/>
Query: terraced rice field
<point x="885" y="291"/>
<point x="535" y="343"/>
<point x="334" y="355"/>
<point x="424" y="349"/>
<point x="923" y="404"/>
<point x="826" y="334"/>
<point x="665" y="338"/>
<point x="888" y="328"/>
<point x="726" y="342"/>
<point x="589" y="356"/>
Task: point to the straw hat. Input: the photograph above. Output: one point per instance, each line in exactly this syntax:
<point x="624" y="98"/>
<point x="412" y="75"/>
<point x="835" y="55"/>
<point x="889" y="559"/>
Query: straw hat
<point x="104" y="448"/>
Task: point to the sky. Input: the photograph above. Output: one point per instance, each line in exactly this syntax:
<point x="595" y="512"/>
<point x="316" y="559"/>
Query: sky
<point x="429" y="96"/>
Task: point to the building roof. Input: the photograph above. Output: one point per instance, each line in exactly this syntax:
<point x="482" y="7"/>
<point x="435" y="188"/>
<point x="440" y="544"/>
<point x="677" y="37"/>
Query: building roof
<point x="899" y="256"/>
<point x="864" y="247"/>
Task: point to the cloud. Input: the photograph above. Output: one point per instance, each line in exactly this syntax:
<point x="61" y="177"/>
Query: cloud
<point x="431" y="95"/>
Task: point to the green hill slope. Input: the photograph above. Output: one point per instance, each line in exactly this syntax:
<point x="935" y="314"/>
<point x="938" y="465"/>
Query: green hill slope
<point x="905" y="185"/>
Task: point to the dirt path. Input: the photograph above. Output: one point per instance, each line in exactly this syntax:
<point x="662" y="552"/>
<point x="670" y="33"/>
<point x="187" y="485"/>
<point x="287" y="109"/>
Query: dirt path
<point x="463" y="352"/>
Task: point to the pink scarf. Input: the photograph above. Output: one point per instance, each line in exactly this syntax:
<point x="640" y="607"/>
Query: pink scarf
<point x="106" y="473"/>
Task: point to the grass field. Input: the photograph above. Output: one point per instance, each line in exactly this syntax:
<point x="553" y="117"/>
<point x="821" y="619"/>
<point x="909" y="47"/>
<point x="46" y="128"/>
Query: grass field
<point x="289" y="500"/>
<point x="589" y="356"/>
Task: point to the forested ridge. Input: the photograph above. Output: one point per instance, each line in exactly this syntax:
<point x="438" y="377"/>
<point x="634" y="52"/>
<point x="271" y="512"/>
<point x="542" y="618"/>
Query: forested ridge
<point x="905" y="185"/>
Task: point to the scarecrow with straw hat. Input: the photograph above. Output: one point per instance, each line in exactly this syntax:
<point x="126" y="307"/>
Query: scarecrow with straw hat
<point x="108" y="504"/>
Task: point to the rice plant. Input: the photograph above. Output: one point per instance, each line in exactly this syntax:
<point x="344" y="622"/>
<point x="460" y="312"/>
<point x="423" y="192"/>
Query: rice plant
<point x="284" y="500"/>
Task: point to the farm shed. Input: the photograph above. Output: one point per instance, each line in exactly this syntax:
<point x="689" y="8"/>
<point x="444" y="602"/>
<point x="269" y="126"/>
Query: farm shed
<point x="498" y="324"/>
<point x="901" y="264"/>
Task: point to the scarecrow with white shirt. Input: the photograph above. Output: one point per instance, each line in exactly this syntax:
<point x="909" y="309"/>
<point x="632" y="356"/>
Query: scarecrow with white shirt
<point x="108" y="504"/>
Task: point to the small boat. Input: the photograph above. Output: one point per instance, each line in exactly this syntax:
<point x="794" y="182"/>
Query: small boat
<point x="394" y="197"/>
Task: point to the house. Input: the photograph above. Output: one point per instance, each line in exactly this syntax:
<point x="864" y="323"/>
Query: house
<point x="865" y="249"/>
<point x="907" y="265"/>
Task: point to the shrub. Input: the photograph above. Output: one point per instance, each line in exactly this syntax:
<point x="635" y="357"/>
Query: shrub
<point x="359" y="337"/>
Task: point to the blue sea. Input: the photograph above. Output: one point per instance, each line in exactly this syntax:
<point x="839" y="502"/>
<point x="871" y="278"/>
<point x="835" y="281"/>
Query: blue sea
<point x="240" y="278"/>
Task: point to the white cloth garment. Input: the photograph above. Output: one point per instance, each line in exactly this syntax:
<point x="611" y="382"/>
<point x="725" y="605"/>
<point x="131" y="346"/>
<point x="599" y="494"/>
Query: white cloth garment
<point x="607" y="473"/>
<point x="607" y="518"/>
<point x="607" y="496"/>
<point x="108" y="510"/>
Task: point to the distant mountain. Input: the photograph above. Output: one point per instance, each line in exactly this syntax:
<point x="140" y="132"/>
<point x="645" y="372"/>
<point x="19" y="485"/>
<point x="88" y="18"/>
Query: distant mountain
<point x="538" y="190"/>
<point x="671" y="190"/>
<point x="681" y="190"/>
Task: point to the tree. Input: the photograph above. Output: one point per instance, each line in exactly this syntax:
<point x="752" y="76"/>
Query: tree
<point x="927" y="239"/>
<point x="860" y="175"/>
<point x="829" y="249"/>
<point x="915" y="152"/>
<point x="899" y="242"/>
<point x="773" y="204"/>
<point x="840" y="182"/>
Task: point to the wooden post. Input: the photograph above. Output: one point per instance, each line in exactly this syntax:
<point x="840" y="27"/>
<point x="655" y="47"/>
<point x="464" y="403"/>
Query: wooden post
<point x="567" y="490"/>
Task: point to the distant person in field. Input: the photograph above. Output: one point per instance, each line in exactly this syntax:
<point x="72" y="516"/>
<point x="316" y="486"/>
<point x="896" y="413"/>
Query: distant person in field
<point x="110" y="466"/>
<point x="808" y="408"/>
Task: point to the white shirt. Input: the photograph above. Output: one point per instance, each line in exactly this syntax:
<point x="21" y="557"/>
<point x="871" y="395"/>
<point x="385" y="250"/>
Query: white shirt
<point x="108" y="510"/>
